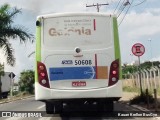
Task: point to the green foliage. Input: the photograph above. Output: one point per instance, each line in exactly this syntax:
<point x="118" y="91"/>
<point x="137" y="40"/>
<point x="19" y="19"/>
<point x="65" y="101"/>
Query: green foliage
<point x="15" y="93"/>
<point x="10" y="31"/>
<point x="142" y="99"/>
<point x="26" y="81"/>
<point x="148" y="64"/>
<point x="129" y="69"/>
<point x="158" y="91"/>
<point x="130" y="89"/>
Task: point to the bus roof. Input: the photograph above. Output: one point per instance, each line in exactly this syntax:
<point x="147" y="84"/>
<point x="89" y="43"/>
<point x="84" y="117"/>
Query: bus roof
<point x="64" y="14"/>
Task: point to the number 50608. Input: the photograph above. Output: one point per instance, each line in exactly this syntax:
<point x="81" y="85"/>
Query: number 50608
<point x="83" y="62"/>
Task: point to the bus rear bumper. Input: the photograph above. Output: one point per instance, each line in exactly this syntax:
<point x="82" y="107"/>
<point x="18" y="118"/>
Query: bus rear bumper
<point x="42" y="93"/>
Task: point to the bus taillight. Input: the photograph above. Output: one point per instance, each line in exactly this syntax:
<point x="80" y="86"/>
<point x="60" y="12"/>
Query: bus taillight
<point x="42" y="75"/>
<point x="114" y="73"/>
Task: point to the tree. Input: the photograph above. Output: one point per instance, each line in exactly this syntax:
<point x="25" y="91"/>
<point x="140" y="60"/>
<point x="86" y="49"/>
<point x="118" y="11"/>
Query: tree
<point x="26" y="81"/>
<point x="1" y="74"/>
<point x="129" y="69"/>
<point x="9" y="31"/>
<point x="132" y="68"/>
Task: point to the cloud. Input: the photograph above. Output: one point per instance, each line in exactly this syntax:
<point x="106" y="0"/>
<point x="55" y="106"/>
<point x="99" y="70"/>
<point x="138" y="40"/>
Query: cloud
<point x="51" y="6"/>
<point x="156" y="59"/>
<point x="23" y="62"/>
<point x="154" y="11"/>
<point x="48" y="6"/>
<point x="2" y="57"/>
<point x="137" y="27"/>
<point x="142" y="24"/>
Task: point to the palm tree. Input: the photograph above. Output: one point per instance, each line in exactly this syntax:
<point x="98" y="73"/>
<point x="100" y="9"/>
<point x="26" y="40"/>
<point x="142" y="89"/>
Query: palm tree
<point x="9" y="31"/>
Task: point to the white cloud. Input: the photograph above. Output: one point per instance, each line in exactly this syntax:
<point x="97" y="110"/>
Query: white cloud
<point x="155" y="59"/>
<point x="142" y="24"/>
<point x="23" y="62"/>
<point x="48" y="6"/>
<point x="135" y="27"/>
<point x="2" y="58"/>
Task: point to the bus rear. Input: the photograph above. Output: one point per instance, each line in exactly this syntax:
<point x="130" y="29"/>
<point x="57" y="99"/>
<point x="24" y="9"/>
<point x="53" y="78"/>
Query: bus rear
<point x="77" y="59"/>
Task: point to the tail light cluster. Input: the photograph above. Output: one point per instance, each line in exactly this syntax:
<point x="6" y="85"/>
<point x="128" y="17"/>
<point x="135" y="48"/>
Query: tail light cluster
<point x="114" y="73"/>
<point x="42" y="75"/>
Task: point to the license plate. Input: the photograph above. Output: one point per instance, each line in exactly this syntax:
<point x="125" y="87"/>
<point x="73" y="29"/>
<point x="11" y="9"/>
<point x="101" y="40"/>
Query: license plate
<point x="78" y="83"/>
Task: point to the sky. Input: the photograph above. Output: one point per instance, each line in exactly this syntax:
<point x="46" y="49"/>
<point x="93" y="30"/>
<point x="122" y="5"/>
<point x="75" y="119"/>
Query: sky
<point x="140" y="25"/>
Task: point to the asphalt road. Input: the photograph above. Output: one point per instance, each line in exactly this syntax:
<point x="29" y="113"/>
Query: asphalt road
<point x="20" y="107"/>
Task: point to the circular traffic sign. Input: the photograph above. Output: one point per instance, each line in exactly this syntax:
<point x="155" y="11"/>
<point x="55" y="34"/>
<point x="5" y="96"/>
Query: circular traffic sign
<point x="138" y="49"/>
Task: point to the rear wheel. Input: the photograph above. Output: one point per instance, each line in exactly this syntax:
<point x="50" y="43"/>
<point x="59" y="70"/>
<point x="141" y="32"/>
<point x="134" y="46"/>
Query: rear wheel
<point x="49" y="108"/>
<point x="108" y="106"/>
<point x="5" y="95"/>
<point x="58" y="107"/>
<point x="105" y="106"/>
<point x="54" y="107"/>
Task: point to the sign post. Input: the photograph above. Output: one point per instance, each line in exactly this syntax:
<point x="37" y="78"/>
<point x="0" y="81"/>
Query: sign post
<point x="11" y="75"/>
<point x="138" y="50"/>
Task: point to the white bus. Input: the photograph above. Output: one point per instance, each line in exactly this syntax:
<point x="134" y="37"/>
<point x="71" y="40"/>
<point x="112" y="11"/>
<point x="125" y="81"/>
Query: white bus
<point x="77" y="60"/>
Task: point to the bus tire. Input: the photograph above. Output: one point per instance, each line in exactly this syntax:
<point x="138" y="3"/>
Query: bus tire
<point x="58" y="106"/>
<point x="49" y="108"/>
<point x="108" y="106"/>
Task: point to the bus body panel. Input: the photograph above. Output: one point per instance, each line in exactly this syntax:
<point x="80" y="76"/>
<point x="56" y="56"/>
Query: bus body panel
<point x="58" y="37"/>
<point x="62" y="74"/>
<point x="114" y="91"/>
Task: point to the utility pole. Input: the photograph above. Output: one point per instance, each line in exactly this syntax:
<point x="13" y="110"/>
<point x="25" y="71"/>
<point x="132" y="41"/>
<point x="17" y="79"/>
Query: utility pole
<point x="150" y="40"/>
<point x="96" y="5"/>
<point x="140" y="78"/>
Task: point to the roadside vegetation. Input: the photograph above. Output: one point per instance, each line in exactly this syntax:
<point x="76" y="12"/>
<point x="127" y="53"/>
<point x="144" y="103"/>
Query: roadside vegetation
<point x="130" y="69"/>
<point x="145" y="100"/>
<point x="142" y="99"/>
<point x="26" y="81"/>
<point x="25" y="86"/>
<point x="130" y="89"/>
<point x="137" y="90"/>
<point x="131" y="82"/>
<point x="9" y="31"/>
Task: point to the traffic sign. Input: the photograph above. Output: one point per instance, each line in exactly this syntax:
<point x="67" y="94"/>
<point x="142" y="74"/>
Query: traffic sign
<point x="11" y="75"/>
<point x="138" y="49"/>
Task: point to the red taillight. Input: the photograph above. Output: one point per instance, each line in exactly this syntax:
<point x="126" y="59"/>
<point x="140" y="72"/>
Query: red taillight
<point x="42" y="75"/>
<point x="114" y="73"/>
<point x="41" y="67"/>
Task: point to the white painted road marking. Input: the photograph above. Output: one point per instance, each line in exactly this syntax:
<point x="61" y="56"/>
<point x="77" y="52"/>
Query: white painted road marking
<point x="50" y="118"/>
<point x="14" y="118"/>
<point x="41" y="106"/>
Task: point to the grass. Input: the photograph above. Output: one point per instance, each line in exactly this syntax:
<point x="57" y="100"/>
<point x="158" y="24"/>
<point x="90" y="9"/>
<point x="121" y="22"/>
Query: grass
<point x="130" y="86"/>
<point x="137" y="90"/>
<point x="158" y="91"/>
<point x="130" y="89"/>
<point x="142" y="99"/>
<point x="16" y="96"/>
